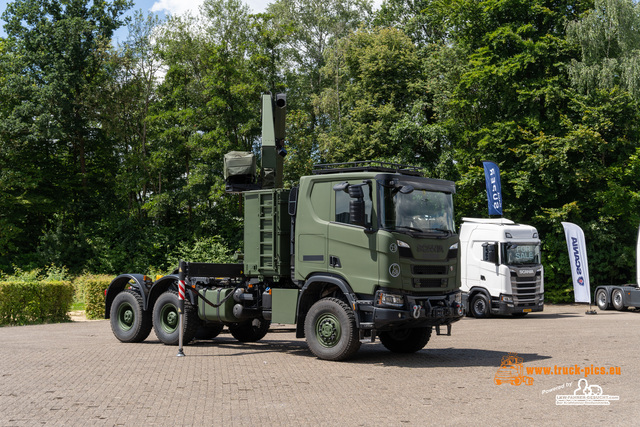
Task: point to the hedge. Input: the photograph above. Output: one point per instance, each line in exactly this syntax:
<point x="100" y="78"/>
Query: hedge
<point x="90" y="290"/>
<point x="27" y="302"/>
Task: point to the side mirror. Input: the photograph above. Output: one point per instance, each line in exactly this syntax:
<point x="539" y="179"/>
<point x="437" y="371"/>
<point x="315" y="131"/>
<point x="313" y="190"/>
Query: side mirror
<point x="357" y="214"/>
<point x="406" y="189"/>
<point x="490" y="252"/>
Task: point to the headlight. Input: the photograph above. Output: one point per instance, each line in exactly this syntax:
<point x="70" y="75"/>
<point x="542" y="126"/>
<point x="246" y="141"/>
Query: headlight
<point x="453" y="251"/>
<point x="458" y="297"/>
<point x="402" y="244"/>
<point x="506" y="298"/>
<point x="392" y="300"/>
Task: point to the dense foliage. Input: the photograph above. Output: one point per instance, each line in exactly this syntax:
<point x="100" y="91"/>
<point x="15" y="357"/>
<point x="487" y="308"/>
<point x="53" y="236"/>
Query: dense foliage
<point x="111" y="156"/>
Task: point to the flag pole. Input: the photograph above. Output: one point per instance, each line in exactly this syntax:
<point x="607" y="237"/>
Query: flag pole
<point x="181" y="277"/>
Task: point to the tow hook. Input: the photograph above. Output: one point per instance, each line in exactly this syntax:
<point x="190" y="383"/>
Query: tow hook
<point x="416" y="311"/>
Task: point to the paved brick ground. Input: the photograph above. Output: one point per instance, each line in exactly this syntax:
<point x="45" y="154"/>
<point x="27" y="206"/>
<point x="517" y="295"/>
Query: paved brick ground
<point x="78" y="374"/>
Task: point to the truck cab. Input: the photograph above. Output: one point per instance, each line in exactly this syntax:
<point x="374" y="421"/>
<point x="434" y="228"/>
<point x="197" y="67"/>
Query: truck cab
<point x="388" y="235"/>
<point x="501" y="270"/>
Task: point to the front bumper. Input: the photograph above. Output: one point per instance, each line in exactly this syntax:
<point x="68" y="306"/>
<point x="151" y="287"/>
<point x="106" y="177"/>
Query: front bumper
<point x="504" y="308"/>
<point x="418" y="311"/>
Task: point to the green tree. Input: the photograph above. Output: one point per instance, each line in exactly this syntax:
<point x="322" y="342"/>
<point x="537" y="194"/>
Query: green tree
<point x="56" y="159"/>
<point x="610" y="47"/>
<point x="208" y="105"/>
<point x="309" y="29"/>
<point x="376" y="75"/>
<point x="565" y="156"/>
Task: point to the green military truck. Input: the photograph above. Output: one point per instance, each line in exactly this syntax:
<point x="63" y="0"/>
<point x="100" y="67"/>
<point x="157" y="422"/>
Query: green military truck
<point x="354" y="252"/>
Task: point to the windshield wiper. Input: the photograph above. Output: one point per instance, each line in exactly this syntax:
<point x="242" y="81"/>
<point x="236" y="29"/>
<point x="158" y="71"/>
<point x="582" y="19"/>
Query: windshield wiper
<point x="441" y="230"/>
<point x="420" y="230"/>
<point x="406" y="227"/>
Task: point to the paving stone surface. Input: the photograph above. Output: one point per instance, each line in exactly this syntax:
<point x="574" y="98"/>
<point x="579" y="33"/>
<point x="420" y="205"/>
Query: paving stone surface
<point x="78" y="374"/>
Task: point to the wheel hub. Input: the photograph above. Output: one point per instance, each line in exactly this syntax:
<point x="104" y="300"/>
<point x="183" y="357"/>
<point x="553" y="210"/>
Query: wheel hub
<point x="126" y="317"/>
<point x="169" y="317"/>
<point x="328" y="330"/>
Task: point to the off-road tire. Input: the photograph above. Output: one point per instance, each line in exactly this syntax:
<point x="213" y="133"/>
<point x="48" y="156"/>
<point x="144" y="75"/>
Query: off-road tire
<point x="251" y="330"/>
<point x="601" y="299"/>
<point x="405" y="340"/>
<point x="129" y="322"/>
<point x="480" y="306"/>
<point x="166" y="322"/>
<point x="331" y="331"/>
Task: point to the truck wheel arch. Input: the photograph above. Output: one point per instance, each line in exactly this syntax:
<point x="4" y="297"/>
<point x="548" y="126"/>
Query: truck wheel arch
<point x="149" y="296"/>
<point x="119" y="284"/>
<point x="313" y="290"/>
<point x="161" y="286"/>
<point x="472" y="293"/>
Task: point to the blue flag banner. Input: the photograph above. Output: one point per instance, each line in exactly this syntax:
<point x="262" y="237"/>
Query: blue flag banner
<point x="494" y="190"/>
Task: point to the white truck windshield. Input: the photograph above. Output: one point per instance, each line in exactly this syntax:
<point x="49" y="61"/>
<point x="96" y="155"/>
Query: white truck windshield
<point x="520" y="254"/>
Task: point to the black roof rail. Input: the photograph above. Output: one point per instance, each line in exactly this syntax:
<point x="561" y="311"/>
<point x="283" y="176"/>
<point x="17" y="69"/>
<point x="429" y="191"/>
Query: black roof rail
<point x="366" y="166"/>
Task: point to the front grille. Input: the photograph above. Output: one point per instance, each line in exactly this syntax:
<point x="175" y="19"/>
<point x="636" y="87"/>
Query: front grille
<point x="429" y="283"/>
<point x="525" y="289"/>
<point x="430" y="269"/>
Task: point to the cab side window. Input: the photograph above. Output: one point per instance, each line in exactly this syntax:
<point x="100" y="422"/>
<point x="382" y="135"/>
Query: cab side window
<point x="342" y="207"/>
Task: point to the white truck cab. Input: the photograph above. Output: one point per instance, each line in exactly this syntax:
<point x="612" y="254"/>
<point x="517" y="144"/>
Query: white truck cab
<point x="501" y="269"/>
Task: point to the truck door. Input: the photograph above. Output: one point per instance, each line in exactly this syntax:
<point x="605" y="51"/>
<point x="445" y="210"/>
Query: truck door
<point x="352" y="251"/>
<point x="489" y="271"/>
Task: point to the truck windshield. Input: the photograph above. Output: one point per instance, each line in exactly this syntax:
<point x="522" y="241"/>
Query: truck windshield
<point x="520" y="254"/>
<point x="407" y="208"/>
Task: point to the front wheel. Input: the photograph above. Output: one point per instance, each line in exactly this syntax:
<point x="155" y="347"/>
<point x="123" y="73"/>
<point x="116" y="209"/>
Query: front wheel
<point x="166" y="319"/>
<point x="601" y="299"/>
<point x="480" y="306"/>
<point x="331" y="331"/>
<point x="251" y="330"/>
<point x="617" y="300"/>
<point x="129" y="322"/>
<point x="406" y="340"/>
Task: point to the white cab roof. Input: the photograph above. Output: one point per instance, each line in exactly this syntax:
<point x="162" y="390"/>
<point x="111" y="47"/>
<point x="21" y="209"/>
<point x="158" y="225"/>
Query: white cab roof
<point x="499" y="221"/>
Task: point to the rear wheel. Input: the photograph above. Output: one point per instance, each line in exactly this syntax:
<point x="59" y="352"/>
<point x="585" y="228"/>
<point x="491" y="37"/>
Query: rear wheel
<point x="617" y="300"/>
<point x="601" y="299"/>
<point x="166" y="319"/>
<point x="129" y="322"/>
<point x="406" y="340"/>
<point x="480" y="306"/>
<point x="330" y="329"/>
<point x="250" y="331"/>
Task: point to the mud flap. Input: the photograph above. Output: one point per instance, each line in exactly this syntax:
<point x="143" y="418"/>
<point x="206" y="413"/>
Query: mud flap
<point x="448" y="330"/>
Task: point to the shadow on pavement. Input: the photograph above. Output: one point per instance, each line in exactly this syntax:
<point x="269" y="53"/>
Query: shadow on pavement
<point x="369" y="353"/>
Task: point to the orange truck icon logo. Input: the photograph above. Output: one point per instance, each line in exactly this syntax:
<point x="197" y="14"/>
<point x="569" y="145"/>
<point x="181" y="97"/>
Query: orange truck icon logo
<point x="511" y="371"/>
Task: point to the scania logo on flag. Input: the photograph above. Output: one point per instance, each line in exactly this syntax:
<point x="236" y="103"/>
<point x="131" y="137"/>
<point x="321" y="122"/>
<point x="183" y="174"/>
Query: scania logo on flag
<point x="581" y="281"/>
<point x="576" y="255"/>
<point x="494" y="190"/>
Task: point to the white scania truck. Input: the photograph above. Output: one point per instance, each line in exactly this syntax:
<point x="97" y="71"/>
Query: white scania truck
<point x="501" y="268"/>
